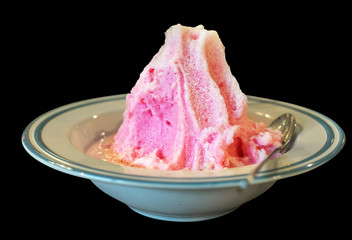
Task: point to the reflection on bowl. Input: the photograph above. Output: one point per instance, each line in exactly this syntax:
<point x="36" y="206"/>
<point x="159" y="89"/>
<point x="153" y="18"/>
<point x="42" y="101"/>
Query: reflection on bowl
<point x="60" y="138"/>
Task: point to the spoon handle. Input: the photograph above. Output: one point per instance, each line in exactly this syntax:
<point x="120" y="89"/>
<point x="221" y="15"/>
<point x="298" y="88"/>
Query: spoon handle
<point x="251" y="176"/>
<point x="286" y="123"/>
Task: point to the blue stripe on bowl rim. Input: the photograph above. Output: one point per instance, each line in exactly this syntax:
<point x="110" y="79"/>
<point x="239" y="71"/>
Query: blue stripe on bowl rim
<point x="54" y="160"/>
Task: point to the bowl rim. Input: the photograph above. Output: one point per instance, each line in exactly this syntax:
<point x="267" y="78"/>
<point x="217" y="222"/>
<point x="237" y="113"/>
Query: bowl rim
<point x="35" y="145"/>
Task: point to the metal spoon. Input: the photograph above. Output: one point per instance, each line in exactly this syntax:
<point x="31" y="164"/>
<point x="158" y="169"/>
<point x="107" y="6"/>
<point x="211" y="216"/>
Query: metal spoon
<point x="286" y="123"/>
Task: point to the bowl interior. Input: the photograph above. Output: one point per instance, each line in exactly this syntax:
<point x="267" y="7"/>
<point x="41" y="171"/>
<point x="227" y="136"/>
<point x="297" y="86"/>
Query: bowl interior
<point x="87" y="132"/>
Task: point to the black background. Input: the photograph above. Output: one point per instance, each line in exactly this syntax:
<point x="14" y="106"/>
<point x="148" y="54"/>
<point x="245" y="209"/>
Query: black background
<point x="62" y="54"/>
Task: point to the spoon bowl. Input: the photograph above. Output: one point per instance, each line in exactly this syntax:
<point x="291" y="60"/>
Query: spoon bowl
<point x="286" y="124"/>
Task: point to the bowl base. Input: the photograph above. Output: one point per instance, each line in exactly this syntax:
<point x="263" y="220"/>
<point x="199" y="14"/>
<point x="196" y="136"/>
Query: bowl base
<point x="181" y="218"/>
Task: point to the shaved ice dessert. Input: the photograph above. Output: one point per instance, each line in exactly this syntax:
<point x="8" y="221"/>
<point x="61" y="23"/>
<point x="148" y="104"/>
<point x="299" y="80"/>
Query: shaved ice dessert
<point x="187" y="111"/>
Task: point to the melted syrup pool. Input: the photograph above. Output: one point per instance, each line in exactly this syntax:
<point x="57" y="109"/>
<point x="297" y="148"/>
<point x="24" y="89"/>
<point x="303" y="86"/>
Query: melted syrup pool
<point x="103" y="149"/>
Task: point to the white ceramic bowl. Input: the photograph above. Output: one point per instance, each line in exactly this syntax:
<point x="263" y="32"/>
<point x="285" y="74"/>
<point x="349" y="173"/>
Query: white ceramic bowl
<point x="59" y="139"/>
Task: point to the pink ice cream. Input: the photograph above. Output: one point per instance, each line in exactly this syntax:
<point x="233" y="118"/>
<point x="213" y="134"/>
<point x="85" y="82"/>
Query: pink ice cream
<point x="187" y="111"/>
